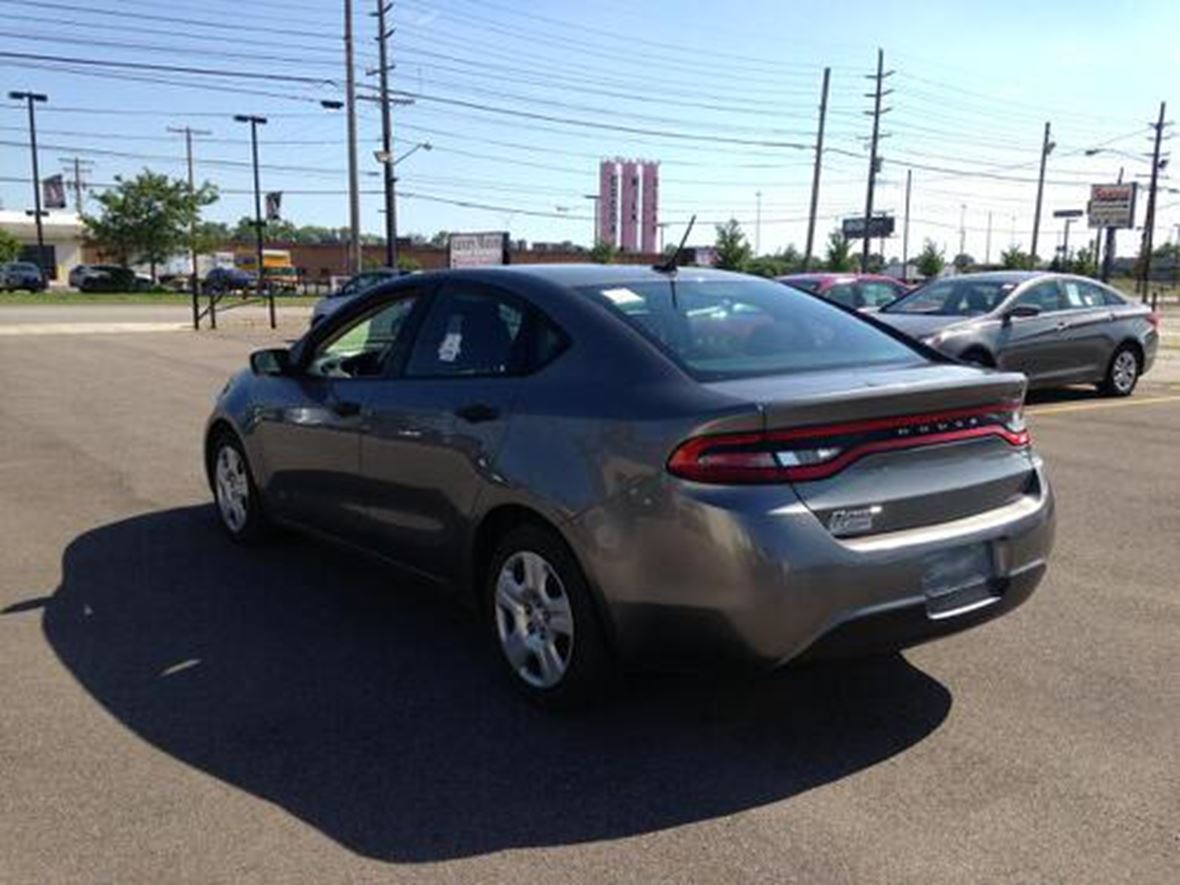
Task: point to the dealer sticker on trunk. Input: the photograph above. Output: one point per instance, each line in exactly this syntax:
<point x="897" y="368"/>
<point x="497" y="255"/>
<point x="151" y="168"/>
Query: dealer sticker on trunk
<point x="854" y="521"/>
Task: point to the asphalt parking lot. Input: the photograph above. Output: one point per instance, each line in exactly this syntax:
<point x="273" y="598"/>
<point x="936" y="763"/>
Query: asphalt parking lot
<point x="174" y="709"/>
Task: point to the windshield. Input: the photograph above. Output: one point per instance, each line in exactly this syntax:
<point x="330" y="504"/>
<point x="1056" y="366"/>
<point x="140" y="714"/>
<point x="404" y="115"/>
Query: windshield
<point x="729" y="328"/>
<point x="954" y="297"/>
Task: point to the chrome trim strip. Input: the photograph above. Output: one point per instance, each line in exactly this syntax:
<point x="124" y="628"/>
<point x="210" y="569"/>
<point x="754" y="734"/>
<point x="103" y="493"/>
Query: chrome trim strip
<point x="947" y="531"/>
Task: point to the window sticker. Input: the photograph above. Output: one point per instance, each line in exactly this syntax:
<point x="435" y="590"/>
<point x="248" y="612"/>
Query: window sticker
<point x="622" y="297"/>
<point x="448" y="351"/>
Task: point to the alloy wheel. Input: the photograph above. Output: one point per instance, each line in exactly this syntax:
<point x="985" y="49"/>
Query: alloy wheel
<point x="1124" y="371"/>
<point x="534" y="619"/>
<point x="232" y="485"/>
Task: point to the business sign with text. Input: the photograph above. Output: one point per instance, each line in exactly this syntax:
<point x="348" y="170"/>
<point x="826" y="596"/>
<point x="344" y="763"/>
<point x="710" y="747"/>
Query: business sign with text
<point x="1113" y="205"/>
<point x="478" y="250"/>
<point x="879" y="226"/>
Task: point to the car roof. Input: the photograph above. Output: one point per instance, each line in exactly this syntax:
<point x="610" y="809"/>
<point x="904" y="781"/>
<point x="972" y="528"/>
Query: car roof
<point x="1002" y="276"/>
<point x="573" y="275"/>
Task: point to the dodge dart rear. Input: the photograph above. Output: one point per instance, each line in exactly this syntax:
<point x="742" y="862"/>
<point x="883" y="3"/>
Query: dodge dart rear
<point x="646" y="466"/>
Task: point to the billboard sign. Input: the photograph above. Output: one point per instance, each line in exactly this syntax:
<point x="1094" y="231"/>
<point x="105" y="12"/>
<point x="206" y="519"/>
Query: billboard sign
<point x="274" y="205"/>
<point x="54" y="192"/>
<point x="879" y="226"/>
<point x="1113" y="205"/>
<point x="477" y="250"/>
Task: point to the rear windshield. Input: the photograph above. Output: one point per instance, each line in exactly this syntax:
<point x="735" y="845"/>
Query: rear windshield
<point x="954" y="297"/>
<point x="23" y="267"/>
<point x="806" y="285"/>
<point x="730" y="328"/>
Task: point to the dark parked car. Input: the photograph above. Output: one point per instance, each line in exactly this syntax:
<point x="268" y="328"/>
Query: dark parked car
<point x="1055" y="328"/>
<point x="223" y="280"/>
<point x="103" y="278"/>
<point x="629" y="465"/>
<point x="21" y="275"/>
<point x="861" y="291"/>
<point x="356" y="285"/>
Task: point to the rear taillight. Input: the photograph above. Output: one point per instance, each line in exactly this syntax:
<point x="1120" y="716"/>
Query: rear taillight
<point x="817" y="452"/>
<point x="1154" y="318"/>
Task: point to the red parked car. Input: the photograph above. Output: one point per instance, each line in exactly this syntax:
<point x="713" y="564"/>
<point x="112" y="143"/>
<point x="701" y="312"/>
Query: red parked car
<point x="862" y="291"/>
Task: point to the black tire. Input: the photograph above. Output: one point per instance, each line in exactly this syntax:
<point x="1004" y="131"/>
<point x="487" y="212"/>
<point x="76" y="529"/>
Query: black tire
<point x="1122" y="374"/>
<point x="253" y="526"/>
<point x="589" y="665"/>
<point x="978" y="357"/>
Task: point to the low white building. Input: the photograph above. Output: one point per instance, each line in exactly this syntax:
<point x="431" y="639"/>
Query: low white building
<point x="62" y="235"/>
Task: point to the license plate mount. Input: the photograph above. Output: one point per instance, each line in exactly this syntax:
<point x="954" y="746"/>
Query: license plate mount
<point x="959" y="579"/>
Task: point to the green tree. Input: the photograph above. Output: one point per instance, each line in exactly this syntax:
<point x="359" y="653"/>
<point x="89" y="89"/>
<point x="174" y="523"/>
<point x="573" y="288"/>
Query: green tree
<point x="408" y="262"/>
<point x="963" y="261"/>
<point x="441" y="239"/>
<point x="733" y="252"/>
<point x="211" y="236"/>
<point x="931" y="260"/>
<point x="1013" y="258"/>
<point x="147" y="218"/>
<point x="9" y="246"/>
<point x="839" y="252"/>
<point x="1085" y="262"/>
<point x="603" y="253"/>
<point x="876" y="263"/>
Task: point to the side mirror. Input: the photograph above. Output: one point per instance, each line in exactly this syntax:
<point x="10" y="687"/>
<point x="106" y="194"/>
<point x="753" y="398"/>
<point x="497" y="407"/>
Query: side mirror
<point x="274" y="361"/>
<point x="1021" y="310"/>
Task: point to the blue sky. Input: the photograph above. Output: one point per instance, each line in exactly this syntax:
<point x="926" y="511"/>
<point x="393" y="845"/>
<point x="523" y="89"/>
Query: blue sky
<point x="974" y="84"/>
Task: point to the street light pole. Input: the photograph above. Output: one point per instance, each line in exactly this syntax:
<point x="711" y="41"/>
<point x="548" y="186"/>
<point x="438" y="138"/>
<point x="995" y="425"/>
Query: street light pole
<point x="31" y="98"/>
<point x="594" y="238"/>
<point x="758" y="225"/>
<point x="255" y="122"/>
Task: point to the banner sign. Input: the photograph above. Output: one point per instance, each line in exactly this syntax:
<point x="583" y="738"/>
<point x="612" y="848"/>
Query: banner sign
<point x="477" y="250"/>
<point x="53" y="191"/>
<point x="1113" y="205"/>
<point x="274" y="204"/>
<point x="879" y="226"/>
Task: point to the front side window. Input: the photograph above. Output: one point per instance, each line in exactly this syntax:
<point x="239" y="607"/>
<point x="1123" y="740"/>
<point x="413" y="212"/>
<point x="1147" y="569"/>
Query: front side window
<point x="722" y="328"/>
<point x="954" y="297"/>
<point x="468" y="334"/>
<point x="364" y="346"/>
<point x="1046" y="297"/>
<point x="877" y="294"/>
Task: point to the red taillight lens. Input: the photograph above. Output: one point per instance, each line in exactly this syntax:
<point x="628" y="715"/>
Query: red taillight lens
<point x="810" y="453"/>
<point x="1154" y="318"/>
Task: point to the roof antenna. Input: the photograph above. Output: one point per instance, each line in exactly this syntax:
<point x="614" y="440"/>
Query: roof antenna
<point x="673" y="261"/>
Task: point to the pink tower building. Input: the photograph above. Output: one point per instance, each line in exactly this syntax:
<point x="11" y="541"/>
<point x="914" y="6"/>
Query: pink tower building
<point x="629" y="225"/>
<point x="650" y="218"/>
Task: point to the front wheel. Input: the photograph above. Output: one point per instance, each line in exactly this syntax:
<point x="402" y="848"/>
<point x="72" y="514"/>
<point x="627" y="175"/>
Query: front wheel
<point x="1123" y="373"/>
<point x="238" y="503"/>
<point x="543" y="620"/>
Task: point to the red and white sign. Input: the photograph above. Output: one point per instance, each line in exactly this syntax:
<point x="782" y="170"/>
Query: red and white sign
<point x="1113" y="205"/>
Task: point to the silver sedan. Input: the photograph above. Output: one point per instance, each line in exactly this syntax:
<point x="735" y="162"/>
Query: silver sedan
<point x="1057" y="329"/>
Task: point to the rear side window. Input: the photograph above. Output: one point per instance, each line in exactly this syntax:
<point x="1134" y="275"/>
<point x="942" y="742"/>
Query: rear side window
<point x="469" y="334"/>
<point x="731" y="328"/>
<point x="877" y="294"/>
<point x="843" y="293"/>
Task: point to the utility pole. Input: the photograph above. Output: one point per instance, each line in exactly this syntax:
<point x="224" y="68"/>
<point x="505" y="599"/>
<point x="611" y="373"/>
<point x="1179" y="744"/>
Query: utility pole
<point x="962" y="229"/>
<point x="987" y="249"/>
<point x="255" y="122"/>
<point x="195" y="285"/>
<point x="876" y="95"/>
<point x="905" y="236"/>
<point x="75" y="166"/>
<point x="354" y="202"/>
<point x="1149" y="221"/>
<point x="32" y="98"/>
<point x="594" y="238"/>
<point x="819" y="151"/>
<point x="758" y="224"/>
<point x="390" y="180"/>
<point x="1046" y="149"/>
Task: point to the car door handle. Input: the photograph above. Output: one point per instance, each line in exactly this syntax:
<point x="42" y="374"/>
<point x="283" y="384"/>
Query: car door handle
<point x="1062" y="326"/>
<point x="477" y="412"/>
<point x="346" y="409"/>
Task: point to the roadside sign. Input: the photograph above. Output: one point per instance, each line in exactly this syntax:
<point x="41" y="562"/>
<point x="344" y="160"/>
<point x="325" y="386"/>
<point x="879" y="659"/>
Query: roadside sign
<point x="879" y="226"/>
<point x="54" y="192"/>
<point x="1068" y="213"/>
<point x="477" y="250"/>
<point x="1113" y="205"/>
<point x="274" y="205"/>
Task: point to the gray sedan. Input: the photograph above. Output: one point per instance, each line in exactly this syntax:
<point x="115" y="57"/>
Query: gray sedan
<point x="636" y="466"/>
<point x="1055" y="328"/>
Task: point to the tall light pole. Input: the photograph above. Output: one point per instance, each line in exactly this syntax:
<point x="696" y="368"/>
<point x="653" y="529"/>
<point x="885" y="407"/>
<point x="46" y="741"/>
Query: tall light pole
<point x="354" y="200"/>
<point x="877" y="95"/>
<point x="189" y="132"/>
<point x="1046" y="149"/>
<point x="905" y="236"/>
<point x="819" y="152"/>
<point x="32" y="98"/>
<point x="758" y="225"/>
<point x="594" y="197"/>
<point x="255" y="122"/>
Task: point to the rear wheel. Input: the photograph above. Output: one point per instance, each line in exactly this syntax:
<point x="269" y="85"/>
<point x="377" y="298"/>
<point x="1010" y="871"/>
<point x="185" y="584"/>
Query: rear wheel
<point x="543" y="620"/>
<point x="1123" y="373"/>
<point x="238" y="504"/>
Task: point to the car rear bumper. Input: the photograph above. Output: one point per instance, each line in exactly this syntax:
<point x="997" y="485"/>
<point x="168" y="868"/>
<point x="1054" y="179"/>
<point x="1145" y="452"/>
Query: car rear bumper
<point x="688" y="577"/>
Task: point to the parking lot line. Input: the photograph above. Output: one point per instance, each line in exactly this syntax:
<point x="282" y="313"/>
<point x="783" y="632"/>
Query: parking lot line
<point x="1107" y="404"/>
